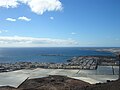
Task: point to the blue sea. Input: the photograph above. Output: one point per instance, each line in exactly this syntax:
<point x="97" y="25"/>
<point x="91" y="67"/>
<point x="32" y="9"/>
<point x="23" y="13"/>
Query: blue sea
<point x="46" y="54"/>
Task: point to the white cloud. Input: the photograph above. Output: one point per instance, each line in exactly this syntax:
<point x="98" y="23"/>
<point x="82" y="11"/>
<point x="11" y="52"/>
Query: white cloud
<point x="41" y="6"/>
<point x="36" y="6"/>
<point x="51" y="18"/>
<point x="11" y="19"/>
<point x="3" y="31"/>
<point x="19" y="18"/>
<point x="73" y="33"/>
<point x="31" y="42"/>
<point x="24" y="18"/>
<point x="9" y="3"/>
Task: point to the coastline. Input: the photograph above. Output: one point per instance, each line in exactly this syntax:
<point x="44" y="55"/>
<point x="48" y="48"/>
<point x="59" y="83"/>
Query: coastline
<point x="81" y="62"/>
<point x="90" y="69"/>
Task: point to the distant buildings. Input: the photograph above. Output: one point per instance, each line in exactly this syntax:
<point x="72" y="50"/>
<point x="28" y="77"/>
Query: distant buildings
<point x="81" y="62"/>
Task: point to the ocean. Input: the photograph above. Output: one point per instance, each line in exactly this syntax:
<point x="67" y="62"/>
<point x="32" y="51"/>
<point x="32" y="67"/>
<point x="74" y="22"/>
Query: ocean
<point x="46" y="54"/>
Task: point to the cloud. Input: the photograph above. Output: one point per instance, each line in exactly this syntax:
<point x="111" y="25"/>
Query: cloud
<point x="36" y="6"/>
<point x="34" y="42"/>
<point x="51" y="18"/>
<point x="2" y="31"/>
<point x="11" y="19"/>
<point x="19" y="18"/>
<point x="73" y="33"/>
<point x="9" y="3"/>
<point x="41" y="6"/>
<point x="24" y="18"/>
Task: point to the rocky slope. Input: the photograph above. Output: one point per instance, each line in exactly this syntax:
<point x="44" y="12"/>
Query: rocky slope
<point x="62" y="83"/>
<point x="50" y="83"/>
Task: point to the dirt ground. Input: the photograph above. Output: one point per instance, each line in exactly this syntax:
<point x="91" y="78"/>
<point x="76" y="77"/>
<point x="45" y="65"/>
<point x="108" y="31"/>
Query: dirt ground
<point x="56" y="82"/>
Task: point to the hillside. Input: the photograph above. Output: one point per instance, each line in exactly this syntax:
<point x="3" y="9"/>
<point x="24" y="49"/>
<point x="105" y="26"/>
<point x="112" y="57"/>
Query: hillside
<point x="63" y="83"/>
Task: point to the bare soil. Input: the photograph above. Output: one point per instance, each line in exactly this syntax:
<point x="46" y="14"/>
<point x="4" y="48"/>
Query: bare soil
<point x="57" y="82"/>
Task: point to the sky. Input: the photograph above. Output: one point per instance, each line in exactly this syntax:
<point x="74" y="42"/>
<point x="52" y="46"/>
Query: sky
<point x="59" y="23"/>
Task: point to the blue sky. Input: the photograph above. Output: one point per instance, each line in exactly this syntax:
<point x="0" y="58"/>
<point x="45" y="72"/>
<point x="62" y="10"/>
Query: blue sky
<point x="51" y="23"/>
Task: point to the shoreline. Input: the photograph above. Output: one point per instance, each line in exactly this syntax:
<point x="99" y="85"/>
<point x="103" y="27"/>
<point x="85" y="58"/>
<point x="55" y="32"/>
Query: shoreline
<point x="81" y="62"/>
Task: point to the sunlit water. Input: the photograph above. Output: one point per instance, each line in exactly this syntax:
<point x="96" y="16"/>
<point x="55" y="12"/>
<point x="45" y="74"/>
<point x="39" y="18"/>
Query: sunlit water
<point x="57" y="55"/>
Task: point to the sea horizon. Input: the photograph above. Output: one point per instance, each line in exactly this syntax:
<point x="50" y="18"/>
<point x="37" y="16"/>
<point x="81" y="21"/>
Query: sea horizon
<point x="47" y="54"/>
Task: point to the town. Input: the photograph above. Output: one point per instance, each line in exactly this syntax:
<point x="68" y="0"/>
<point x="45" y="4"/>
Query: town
<point x="81" y="62"/>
